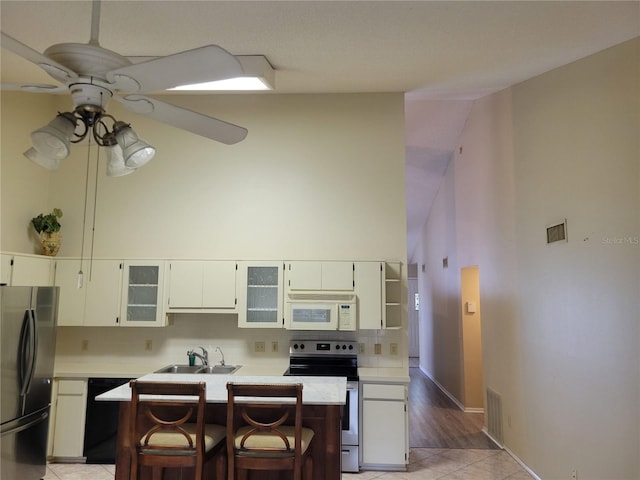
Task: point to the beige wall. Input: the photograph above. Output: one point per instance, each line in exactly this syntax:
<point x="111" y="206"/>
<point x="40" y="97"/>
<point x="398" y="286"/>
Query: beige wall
<point x="560" y="322"/>
<point x="303" y="184"/>
<point x="24" y="185"/>
<point x="318" y="177"/>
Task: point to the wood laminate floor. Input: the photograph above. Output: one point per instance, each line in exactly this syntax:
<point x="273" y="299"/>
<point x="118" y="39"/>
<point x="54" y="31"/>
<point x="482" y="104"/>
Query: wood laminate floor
<point x="436" y="422"/>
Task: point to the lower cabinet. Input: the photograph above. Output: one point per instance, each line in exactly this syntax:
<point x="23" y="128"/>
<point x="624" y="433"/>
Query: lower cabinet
<point x="67" y="441"/>
<point x="384" y="433"/>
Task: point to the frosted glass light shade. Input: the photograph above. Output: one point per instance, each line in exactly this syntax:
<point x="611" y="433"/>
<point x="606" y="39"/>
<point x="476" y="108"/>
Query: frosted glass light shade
<point x="53" y="139"/>
<point x="136" y="151"/>
<point x="115" y="162"/>
<point x="44" y="161"/>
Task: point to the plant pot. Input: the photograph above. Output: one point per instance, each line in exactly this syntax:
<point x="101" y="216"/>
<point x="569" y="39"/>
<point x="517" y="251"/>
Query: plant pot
<point x="50" y="243"/>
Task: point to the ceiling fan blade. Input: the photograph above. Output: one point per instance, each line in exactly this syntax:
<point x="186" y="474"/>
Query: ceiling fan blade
<point x="189" y="120"/>
<point x="34" y="87"/>
<point x="53" y="68"/>
<point x="204" y="64"/>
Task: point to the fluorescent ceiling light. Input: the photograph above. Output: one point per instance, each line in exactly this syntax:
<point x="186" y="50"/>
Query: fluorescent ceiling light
<point x="238" y="83"/>
<point x="258" y="75"/>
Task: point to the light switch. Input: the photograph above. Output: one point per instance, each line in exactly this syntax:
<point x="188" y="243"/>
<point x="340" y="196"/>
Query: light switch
<point x="471" y="307"/>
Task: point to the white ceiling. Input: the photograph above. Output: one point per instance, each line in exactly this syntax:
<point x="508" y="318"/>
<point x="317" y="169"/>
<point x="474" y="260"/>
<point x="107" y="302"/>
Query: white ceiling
<point x="443" y="54"/>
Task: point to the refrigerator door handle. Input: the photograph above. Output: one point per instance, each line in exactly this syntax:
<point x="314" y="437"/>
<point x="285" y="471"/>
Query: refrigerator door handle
<point x="24" y="423"/>
<point x="27" y="349"/>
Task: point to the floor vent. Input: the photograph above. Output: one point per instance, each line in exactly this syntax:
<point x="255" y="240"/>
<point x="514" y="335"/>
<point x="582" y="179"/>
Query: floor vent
<point x="494" y="416"/>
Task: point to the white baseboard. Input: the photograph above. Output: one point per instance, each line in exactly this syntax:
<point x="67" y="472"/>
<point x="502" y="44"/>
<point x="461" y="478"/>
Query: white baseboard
<point x="452" y="398"/>
<point x="444" y="390"/>
<point x="513" y="455"/>
<point x="522" y="464"/>
<point x="486" y="432"/>
<point x="473" y="410"/>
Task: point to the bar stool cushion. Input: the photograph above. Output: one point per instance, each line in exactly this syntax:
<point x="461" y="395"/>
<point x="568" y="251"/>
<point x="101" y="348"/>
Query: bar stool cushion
<point x="212" y="435"/>
<point x="270" y="441"/>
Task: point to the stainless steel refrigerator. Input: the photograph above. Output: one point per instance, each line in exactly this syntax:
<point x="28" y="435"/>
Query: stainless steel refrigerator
<point x="27" y="342"/>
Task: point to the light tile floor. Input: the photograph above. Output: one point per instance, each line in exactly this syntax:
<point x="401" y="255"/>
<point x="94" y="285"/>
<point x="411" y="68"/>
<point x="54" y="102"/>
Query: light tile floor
<point x="424" y="464"/>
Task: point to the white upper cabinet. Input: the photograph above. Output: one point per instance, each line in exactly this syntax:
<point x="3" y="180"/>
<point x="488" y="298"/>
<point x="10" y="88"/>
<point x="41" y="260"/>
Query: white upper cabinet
<point x="219" y="284"/>
<point x="6" y="266"/>
<point x="103" y="283"/>
<point x="379" y="288"/>
<point x="319" y="275"/>
<point x="72" y="298"/>
<point x="27" y="270"/>
<point x="185" y="284"/>
<point x="93" y="300"/>
<point x="394" y="296"/>
<point x="369" y="281"/>
<point x="260" y="296"/>
<point x="202" y="285"/>
<point x="142" y="294"/>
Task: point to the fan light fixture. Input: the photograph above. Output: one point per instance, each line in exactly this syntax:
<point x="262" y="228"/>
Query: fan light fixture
<point x="125" y="150"/>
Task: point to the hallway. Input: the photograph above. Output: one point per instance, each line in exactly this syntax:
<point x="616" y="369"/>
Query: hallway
<point x="435" y="421"/>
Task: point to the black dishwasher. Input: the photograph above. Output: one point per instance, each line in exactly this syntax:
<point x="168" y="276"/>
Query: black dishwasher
<point x="101" y="422"/>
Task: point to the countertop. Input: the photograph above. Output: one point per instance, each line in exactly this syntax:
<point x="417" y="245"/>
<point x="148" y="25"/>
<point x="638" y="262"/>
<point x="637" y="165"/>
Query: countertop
<point x="106" y="370"/>
<point x="93" y="370"/>
<point x="315" y="390"/>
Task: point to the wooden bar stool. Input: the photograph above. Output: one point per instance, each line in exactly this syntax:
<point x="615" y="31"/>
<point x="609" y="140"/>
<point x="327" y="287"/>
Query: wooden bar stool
<point x="162" y="433"/>
<point x="265" y="442"/>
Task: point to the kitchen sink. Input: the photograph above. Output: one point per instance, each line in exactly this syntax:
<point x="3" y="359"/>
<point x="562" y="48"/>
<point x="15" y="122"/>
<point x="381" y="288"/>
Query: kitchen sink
<point x="213" y="369"/>
<point x="219" y="369"/>
<point x="179" y="369"/>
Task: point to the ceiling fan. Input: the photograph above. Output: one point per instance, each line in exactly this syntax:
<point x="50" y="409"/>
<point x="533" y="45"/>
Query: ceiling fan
<point x="94" y="75"/>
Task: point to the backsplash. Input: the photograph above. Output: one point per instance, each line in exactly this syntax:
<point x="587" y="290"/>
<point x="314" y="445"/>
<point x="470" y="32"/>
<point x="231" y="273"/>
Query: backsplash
<point x="154" y="348"/>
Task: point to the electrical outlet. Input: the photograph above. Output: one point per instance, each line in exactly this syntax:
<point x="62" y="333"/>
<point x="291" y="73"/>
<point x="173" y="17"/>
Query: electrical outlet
<point x="85" y="345"/>
<point x="361" y="348"/>
<point x="377" y="348"/>
<point x="259" y="347"/>
<point x="393" y="348"/>
<point x="274" y="347"/>
<point x="148" y="345"/>
<point x="574" y="474"/>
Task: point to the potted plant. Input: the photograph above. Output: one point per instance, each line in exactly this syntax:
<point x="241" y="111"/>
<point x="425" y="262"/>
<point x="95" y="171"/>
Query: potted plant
<point x="48" y="229"/>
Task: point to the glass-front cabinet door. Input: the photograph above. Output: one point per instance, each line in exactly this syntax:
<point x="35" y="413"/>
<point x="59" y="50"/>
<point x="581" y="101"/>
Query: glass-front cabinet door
<point x="143" y="294"/>
<point x="260" y="294"/>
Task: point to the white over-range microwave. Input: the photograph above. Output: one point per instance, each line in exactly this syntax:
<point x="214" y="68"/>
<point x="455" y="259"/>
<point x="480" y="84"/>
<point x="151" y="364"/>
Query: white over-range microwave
<point x="320" y="311"/>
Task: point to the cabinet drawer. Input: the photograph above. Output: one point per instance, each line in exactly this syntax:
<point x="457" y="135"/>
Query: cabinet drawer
<point x="385" y="392"/>
<point x="71" y="387"/>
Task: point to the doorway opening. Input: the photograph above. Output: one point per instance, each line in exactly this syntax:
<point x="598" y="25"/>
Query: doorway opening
<point x="413" y="307"/>
<point x="471" y="323"/>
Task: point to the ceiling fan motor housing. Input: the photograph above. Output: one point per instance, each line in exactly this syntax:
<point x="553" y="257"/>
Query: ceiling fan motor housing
<point x="86" y="60"/>
<point x="89" y="96"/>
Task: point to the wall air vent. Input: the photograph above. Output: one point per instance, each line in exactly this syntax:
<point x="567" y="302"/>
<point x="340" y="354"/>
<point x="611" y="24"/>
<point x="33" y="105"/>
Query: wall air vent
<point x="494" y="416"/>
<point x="557" y="232"/>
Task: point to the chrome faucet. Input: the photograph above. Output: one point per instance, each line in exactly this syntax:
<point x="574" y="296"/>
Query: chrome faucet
<point x="204" y="358"/>
<point x="218" y="349"/>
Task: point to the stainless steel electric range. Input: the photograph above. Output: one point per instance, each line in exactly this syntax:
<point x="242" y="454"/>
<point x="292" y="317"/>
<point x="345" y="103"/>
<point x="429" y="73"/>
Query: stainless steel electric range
<point x="335" y="359"/>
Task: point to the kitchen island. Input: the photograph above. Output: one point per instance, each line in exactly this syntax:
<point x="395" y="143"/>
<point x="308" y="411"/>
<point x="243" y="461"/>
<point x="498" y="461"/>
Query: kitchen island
<point x="322" y="398"/>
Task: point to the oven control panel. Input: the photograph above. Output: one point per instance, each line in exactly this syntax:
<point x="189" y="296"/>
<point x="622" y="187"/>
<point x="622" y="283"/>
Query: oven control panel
<point x="323" y="347"/>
